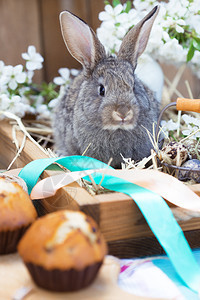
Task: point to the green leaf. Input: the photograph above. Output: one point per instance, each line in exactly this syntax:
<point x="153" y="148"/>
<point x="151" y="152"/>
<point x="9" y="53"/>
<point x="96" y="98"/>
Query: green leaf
<point x="48" y="91"/>
<point x="196" y="38"/>
<point x="190" y="52"/>
<point x="116" y="2"/>
<point x="128" y="6"/>
<point x="196" y="44"/>
<point x="106" y="2"/>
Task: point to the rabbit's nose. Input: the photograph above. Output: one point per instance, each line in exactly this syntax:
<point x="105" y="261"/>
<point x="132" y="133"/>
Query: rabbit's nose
<point x="124" y="115"/>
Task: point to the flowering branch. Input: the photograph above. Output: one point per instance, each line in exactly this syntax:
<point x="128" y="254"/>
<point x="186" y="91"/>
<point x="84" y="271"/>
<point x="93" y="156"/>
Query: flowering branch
<point x="175" y="36"/>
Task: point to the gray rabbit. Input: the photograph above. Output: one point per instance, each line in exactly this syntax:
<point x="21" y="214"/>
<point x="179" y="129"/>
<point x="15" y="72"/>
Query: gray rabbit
<point x="107" y="106"/>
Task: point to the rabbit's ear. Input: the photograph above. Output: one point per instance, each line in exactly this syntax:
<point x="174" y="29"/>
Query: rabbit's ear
<point x="135" y="41"/>
<point x="80" y="40"/>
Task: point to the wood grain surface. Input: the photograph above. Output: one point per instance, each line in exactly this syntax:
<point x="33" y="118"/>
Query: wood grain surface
<point x="14" y="275"/>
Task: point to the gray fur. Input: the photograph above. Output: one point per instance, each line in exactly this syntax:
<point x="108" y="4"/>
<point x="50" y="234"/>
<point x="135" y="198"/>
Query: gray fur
<point x="83" y="116"/>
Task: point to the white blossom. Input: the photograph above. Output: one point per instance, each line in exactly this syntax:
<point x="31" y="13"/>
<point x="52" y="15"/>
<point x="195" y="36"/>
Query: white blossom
<point x="189" y="120"/>
<point x="169" y="125"/>
<point x="194" y="131"/>
<point x="144" y="5"/>
<point x="2" y="65"/>
<point x="42" y="111"/>
<point x="29" y="75"/>
<point x="4" y="102"/>
<point x="17" y="94"/>
<point x="110" y="13"/>
<point x="172" y="52"/>
<point x="194" y="7"/>
<point x="13" y="104"/>
<point x="157" y="41"/>
<point x="64" y="78"/>
<point x="16" y="106"/>
<point x="193" y="126"/>
<point x="194" y="22"/>
<point x="179" y="25"/>
<point x="74" y="72"/>
<point x="34" y="59"/>
<point x="174" y="18"/>
<point x="53" y="103"/>
<point x="12" y="76"/>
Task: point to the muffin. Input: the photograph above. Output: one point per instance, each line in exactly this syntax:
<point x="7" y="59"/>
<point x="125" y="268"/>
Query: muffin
<point x="15" y="178"/>
<point x="63" y="251"/>
<point x="17" y="212"/>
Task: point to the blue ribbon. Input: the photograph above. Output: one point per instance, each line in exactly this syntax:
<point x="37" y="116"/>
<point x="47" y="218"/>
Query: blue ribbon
<point x="153" y="207"/>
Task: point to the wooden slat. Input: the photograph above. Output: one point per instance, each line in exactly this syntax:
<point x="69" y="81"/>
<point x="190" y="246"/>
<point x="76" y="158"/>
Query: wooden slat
<point x="147" y="246"/>
<point x="135" y="247"/>
<point x="19" y="23"/>
<point x="96" y="7"/>
<point x="56" y="54"/>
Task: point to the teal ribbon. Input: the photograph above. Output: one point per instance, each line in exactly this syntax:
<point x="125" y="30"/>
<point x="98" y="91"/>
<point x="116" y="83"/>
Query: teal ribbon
<point x="153" y="207"/>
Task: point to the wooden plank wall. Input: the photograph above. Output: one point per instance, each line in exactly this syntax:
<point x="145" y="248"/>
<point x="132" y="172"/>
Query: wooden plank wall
<point x="36" y="22"/>
<point x="55" y="50"/>
<point x="19" y="27"/>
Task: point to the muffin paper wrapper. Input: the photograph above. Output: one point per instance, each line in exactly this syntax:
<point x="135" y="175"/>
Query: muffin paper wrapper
<point x="63" y="280"/>
<point x="9" y="239"/>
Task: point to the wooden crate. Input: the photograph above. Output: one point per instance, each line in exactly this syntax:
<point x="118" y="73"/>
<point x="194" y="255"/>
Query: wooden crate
<point x="119" y="218"/>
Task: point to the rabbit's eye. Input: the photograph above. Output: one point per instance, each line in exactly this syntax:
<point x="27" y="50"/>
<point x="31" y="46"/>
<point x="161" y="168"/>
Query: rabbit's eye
<point x="101" y="90"/>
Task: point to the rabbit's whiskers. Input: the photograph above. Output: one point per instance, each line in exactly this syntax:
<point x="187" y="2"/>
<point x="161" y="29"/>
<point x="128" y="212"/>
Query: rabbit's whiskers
<point x="122" y="125"/>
